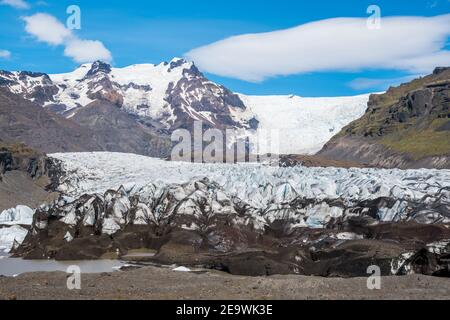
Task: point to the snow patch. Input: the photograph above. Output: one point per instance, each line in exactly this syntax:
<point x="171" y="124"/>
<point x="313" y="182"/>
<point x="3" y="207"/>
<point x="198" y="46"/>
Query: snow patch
<point x="182" y="269"/>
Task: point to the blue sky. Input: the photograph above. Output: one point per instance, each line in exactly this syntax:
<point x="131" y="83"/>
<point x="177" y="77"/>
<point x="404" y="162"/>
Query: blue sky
<point x="155" y="31"/>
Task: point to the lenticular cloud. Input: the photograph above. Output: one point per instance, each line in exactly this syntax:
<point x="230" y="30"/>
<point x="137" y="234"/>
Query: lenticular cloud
<point x="414" y="44"/>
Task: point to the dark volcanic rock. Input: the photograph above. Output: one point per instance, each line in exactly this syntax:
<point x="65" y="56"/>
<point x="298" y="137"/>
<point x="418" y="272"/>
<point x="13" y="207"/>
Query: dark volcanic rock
<point x="20" y="157"/>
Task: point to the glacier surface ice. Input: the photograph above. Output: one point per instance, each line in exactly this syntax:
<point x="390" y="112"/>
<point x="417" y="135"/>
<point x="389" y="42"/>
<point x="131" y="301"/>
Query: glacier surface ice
<point x="20" y="215"/>
<point x="258" y="184"/>
<point x="10" y="235"/>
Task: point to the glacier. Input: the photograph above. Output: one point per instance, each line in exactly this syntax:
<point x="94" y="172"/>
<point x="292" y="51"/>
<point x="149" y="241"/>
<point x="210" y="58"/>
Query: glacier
<point x="305" y="124"/>
<point x="243" y="217"/>
<point x="301" y="197"/>
<point x="259" y="184"/>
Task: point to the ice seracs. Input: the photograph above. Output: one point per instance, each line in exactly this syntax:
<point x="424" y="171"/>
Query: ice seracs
<point x="12" y="230"/>
<point x="20" y="215"/>
<point x="261" y="184"/>
<point x="253" y="194"/>
<point x="9" y="236"/>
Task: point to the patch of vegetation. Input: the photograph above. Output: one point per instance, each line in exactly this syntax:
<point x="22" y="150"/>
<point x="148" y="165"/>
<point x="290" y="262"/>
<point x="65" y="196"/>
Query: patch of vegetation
<point x="17" y="149"/>
<point x="421" y="144"/>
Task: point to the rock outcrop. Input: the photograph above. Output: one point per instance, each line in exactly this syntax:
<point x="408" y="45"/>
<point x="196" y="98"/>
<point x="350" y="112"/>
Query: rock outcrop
<point x="406" y="127"/>
<point x="27" y="177"/>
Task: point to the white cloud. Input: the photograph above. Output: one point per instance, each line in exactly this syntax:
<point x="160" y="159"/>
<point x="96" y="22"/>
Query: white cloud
<point x="414" y="44"/>
<point x="19" y="4"/>
<point x="87" y="51"/>
<point x="46" y="28"/>
<point x="5" y="54"/>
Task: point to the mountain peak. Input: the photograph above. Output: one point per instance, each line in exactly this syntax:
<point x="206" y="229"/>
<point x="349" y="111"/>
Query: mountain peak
<point x="177" y="62"/>
<point x="99" y="66"/>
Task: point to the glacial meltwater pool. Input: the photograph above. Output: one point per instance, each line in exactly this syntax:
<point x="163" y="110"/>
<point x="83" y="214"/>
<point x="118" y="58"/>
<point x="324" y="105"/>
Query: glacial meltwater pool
<point x="10" y="267"/>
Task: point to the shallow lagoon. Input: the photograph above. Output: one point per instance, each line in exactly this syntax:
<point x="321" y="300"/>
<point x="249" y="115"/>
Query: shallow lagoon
<point x="10" y="267"/>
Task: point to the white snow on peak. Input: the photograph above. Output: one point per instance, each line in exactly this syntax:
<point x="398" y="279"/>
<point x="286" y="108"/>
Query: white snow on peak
<point x="304" y="125"/>
<point x="73" y="77"/>
<point x="141" y="74"/>
<point x="157" y="77"/>
<point x="150" y="74"/>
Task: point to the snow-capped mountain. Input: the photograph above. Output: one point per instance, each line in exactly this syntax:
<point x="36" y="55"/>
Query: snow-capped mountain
<point x="173" y="95"/>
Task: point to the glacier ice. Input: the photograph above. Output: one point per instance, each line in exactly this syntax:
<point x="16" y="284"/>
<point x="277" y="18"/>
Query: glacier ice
<point x="258" y="184"/>
<point x="20" y="215"/>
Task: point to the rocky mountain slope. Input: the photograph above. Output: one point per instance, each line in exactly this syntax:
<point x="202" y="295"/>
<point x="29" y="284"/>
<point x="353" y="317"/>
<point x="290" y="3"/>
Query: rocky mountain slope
<point x="27" y="177"/>
<point x="25" y="122"/>
<point x="99" y="126"/>
<point x="159" y="99"/>
<point x="247" y="219"/>
<point x="406" y="127"/>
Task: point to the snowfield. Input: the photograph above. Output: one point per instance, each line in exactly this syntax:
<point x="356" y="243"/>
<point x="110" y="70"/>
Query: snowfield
<point x="258" y="184"/>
